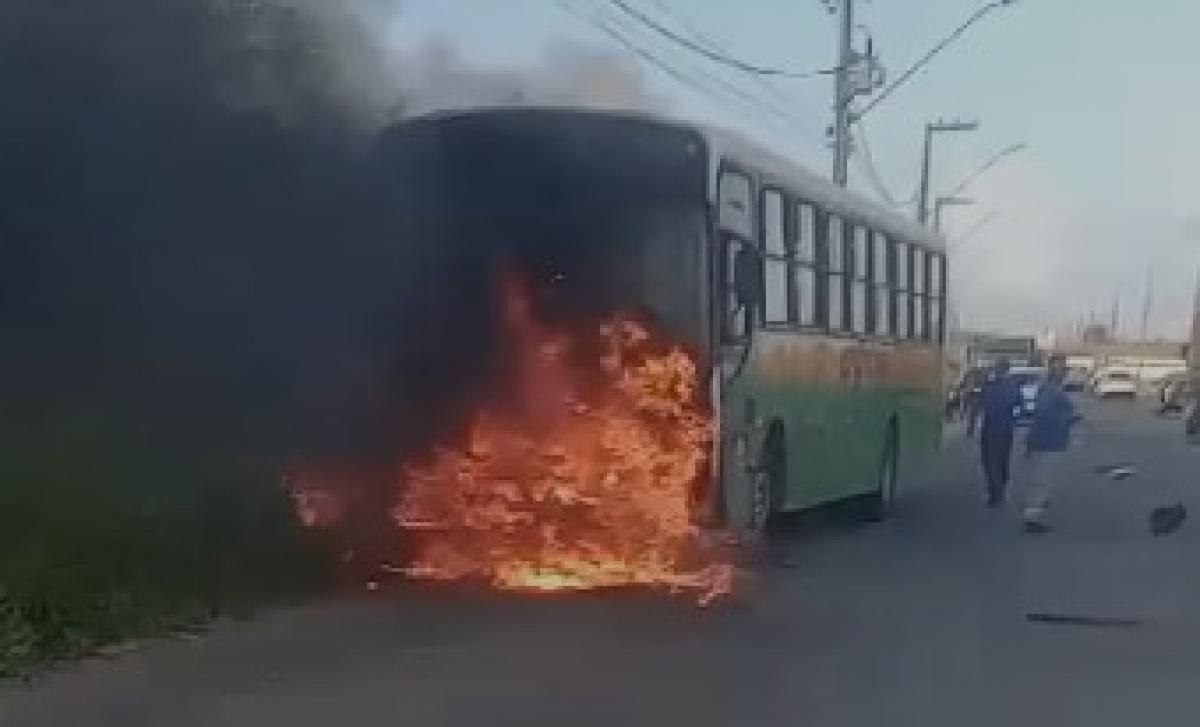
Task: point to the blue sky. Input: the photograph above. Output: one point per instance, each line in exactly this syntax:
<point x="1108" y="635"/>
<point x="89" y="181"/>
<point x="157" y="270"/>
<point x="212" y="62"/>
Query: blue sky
<point x="1101" y="90"/>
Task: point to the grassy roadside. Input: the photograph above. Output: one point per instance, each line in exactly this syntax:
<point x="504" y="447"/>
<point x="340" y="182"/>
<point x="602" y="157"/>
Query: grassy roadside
<point x="104" y="539"/>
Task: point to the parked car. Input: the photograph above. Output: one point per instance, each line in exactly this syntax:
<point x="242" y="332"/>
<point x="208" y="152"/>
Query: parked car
<point x="1030" y="379"/>
<point x="1110" y="384"/>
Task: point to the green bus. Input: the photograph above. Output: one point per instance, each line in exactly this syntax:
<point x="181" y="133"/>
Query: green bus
<point x="818" y="316"/>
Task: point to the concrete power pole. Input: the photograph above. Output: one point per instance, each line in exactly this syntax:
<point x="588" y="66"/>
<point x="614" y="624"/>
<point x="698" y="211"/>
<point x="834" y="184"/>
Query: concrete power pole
<point x="1194" y="344"/>
<point x="1114" y="325"/>
<point x="843" y="94"/>
<point x="927" y="160"/>
<point x="1147" y="305"/>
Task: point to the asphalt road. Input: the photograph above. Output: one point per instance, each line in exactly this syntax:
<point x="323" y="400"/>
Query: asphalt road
<point x="920" y="621"/>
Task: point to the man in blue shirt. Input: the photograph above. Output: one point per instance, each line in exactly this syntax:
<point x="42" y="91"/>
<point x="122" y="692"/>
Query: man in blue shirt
<point x="1001" y="398"/>
<point x="1046" y="444"/>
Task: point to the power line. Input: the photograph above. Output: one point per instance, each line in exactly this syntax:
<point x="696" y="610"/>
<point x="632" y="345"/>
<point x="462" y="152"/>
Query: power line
<point x="925" y="59"/>
<point x="867" y="162"/>
<point x="996" y="158"/>
<point x="729" y="86"/>
<point x="711" y="54"/>
<point x="674" y="73"/>
<point x="701" y="37"/>
<point x="972" y="233"/>
<point x="692" y="30"/>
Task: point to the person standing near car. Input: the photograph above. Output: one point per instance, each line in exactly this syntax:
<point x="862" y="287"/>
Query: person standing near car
<point x="1046" y="445"/>
<point x="1000" y="402"/>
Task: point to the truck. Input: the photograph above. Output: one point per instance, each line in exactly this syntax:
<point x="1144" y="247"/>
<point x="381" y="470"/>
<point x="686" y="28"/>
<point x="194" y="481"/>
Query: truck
<point x="984" y="351"/>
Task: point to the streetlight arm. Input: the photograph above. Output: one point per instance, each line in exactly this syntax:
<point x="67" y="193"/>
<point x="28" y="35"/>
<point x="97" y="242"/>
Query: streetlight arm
<point x="941" y="203"/>
<point x="957" y="246"/>
<point x="1009" y="151"/>
<point x="925" y="59"/>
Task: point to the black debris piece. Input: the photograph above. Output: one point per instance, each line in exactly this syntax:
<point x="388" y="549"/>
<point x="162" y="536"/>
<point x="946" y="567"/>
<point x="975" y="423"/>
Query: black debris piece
<point x="1166" y="520"/>
<point x="1072" y="619"/>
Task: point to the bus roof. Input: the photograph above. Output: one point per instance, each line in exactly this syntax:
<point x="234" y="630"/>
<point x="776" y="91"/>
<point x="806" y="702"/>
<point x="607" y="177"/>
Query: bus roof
<point x="727" y="144"/>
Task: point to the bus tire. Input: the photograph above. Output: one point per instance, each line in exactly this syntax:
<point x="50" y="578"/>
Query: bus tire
<point x="880" y="504"/>
<point x="774" y="467"/>
<point x="752" y="485"/>
<point x="742" y="486"/>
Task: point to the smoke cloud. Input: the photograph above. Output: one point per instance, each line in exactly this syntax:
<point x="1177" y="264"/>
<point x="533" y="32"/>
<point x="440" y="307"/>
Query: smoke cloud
<point x="194" y="239"/>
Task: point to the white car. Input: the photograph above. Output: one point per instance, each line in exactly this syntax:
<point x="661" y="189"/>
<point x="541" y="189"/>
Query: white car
<point x="1116" y="383"/>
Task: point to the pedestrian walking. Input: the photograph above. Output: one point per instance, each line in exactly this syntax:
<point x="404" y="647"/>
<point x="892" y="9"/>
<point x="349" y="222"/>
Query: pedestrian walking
<point x="1046" y="445"/>
<point x="1000" y="402"/>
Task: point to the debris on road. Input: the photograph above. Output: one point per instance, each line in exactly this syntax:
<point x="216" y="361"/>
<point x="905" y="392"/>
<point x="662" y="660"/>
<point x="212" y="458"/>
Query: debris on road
<point x="1166" y="520"/>
<point x="1117" y="471"/>
<point x="1071" y="619"/>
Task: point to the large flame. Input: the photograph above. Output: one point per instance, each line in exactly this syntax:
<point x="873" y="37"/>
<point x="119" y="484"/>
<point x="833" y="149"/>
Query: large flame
<point x="584" y="477"/>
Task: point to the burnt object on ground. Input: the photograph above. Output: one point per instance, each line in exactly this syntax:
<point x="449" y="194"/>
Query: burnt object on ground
<point x="1166" y="520"/>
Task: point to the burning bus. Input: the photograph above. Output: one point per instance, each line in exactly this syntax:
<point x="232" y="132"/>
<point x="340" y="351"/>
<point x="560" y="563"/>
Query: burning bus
<point x="682" y="330"/>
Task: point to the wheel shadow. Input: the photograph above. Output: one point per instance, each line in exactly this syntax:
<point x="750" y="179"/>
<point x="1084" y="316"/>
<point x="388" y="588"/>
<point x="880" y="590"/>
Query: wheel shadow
<point x="831" y="520"/>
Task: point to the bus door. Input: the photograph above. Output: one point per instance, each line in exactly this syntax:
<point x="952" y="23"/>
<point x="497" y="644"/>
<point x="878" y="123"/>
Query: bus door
<point x="738" y="288"/>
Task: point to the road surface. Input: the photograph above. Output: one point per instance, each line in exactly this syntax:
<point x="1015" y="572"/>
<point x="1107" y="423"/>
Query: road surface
<point x="920" y="621"/>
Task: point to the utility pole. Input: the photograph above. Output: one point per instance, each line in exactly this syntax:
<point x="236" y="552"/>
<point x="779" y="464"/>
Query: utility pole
<point x="857" y="74"/>
<point x="843" y="94"/>
<point x="1115" y="323"/>
<point x="932" y="128"/>
<point x="1194" y="343"/>
<point x="1147" y="304"/>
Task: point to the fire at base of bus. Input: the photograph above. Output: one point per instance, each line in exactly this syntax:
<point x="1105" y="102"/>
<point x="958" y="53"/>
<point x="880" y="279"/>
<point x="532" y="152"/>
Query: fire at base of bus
<point x="583" y="471"/>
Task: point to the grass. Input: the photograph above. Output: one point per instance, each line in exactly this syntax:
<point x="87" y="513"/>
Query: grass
<point x="105" y="538"/>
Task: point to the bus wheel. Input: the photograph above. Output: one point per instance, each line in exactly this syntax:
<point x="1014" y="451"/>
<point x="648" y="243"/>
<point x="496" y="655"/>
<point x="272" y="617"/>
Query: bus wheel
<point x="879" y="505"/>
<point x="774" y="470"/>
<point x="746" y="484"/>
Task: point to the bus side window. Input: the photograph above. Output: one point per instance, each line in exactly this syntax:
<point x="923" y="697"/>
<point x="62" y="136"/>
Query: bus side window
<point x="860" y="279"/>
<point x="835" y="274"/>
<point x="804" y="269"/>
<point x="739" y="257"/>
<point x="736" y="211"/>
<point x="775" y="259"/>
<point x="937" y="300"/>
<point x="920" y="276"/>
<point x="881" y="276"/>
<point x="903" y="312"/>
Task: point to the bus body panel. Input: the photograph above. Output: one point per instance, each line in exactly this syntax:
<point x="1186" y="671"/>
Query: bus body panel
<point x="834" y="393"/>
<point x="836" y="398"/>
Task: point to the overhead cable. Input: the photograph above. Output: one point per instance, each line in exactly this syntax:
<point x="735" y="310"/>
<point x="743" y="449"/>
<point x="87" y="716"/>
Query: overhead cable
<point x="712" y="54"/>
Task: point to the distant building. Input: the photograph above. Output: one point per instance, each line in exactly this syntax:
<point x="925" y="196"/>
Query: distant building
<point x="1095" y="334"/>
<point x="1149" y="361"/>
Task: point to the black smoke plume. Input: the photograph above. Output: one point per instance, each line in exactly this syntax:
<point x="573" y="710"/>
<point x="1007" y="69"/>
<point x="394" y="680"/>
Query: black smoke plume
<point x="193" y="239"/>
